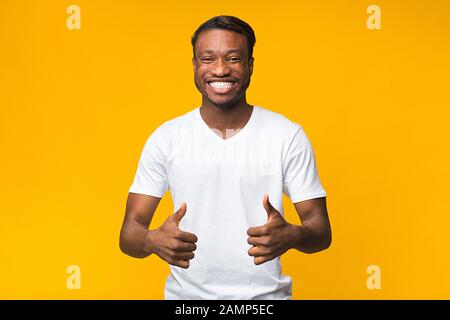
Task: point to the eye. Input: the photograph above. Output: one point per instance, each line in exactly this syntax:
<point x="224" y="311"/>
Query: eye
<point x="206" y="59"/>
<point x="235" y="59"/>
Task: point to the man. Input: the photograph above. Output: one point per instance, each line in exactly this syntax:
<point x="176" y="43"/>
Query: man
<point x="226" y="164"/>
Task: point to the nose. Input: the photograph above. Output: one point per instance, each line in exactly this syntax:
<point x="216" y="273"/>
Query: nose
<point x="221" y="68"/>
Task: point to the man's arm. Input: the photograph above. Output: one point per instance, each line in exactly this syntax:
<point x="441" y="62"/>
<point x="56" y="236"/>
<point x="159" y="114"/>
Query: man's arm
<point x="314" y="234"/>
<point x="134" y="240"/>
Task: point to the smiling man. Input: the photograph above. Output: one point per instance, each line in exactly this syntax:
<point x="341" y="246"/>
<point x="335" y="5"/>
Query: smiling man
<point x="227" y="164"/>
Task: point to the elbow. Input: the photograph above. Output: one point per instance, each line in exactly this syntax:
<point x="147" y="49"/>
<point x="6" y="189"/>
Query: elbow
<point x="123" y="242"/>
<point x="327" y="240"/>
<point x="327" y="243"/>
<point x="122" y="246"/>
<point x="127" y="246"/>
<point x="323" y="243"/>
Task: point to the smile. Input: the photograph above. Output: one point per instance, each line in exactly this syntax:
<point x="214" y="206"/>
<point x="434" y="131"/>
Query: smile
<point x="221" y="84"/>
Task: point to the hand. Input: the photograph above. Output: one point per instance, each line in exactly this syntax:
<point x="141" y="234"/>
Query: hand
<point x="271" y="239"/>
<point x="170" y="243"/>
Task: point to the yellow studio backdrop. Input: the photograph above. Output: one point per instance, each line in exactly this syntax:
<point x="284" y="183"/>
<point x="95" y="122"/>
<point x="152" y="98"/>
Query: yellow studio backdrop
<point x="77" y="105"/>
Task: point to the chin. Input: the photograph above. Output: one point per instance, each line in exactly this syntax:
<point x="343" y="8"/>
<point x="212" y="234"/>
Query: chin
<point x="224" y="103"/>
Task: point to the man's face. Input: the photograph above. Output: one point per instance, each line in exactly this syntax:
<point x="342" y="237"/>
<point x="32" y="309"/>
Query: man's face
<point x="222" y="69"/>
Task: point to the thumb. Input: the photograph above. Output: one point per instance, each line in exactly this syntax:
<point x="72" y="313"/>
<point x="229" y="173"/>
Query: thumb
<point x="180" y="213"/>
<point x="268" y="206"/>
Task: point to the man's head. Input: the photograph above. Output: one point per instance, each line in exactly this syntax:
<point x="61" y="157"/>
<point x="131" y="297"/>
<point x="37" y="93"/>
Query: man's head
<point x="223" y="59"/>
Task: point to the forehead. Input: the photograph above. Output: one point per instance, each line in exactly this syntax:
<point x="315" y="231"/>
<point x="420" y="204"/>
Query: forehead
<point x="219" y="40"/>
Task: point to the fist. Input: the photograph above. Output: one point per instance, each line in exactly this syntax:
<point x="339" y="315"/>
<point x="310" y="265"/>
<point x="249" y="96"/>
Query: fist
<point x="171" y="244"/>
<point x="271" y="239"/>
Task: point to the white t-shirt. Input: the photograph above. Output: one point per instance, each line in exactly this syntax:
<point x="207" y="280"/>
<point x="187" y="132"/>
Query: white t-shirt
<point x="223" y="183"/>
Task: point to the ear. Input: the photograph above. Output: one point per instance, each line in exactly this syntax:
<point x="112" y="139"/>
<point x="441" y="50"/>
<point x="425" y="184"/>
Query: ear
<point x="250" y="65"/>
<point x="193" y="63"/>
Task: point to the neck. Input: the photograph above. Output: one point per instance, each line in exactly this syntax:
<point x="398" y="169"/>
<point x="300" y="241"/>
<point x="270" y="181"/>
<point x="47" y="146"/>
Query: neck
<point x="232" y="117"/>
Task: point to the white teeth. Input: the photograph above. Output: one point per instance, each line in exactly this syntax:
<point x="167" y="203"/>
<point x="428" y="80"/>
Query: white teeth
<point x="221" y="84"/>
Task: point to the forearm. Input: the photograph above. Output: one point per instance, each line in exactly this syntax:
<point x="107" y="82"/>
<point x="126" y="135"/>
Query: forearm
<point x="309" y="238"/>
<point x="134" y="240"/>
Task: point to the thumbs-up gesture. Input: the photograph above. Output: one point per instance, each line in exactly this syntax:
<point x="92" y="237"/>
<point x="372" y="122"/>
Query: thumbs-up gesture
<point x="273" y="238"/>
<point x="172" y="244"/>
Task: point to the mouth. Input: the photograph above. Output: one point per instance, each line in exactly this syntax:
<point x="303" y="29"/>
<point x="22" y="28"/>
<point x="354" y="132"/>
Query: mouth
<point x="221" y="86"/>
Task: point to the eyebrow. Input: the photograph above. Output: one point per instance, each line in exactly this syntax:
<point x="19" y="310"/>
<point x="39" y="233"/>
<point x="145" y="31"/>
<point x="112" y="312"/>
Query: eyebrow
<point x="228" y="51"/>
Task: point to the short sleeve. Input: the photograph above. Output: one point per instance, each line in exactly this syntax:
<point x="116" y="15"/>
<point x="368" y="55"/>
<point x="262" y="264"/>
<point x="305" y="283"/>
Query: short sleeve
<point x="300" y="176"/>
<point x="151" y="174"/>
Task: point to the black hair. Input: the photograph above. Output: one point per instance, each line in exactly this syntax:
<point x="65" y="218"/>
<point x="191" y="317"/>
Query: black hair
<point x="227" y="23"/>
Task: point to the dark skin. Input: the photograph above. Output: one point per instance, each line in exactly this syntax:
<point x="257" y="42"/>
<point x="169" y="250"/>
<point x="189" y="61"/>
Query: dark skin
<point x="222" y="55"/>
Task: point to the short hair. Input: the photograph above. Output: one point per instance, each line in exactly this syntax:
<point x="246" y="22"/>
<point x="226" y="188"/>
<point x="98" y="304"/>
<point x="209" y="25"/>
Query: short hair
<point x="227" y="23"/>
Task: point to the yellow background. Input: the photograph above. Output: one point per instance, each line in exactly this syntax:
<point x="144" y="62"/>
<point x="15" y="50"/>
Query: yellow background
<point x="78" y="105"/>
